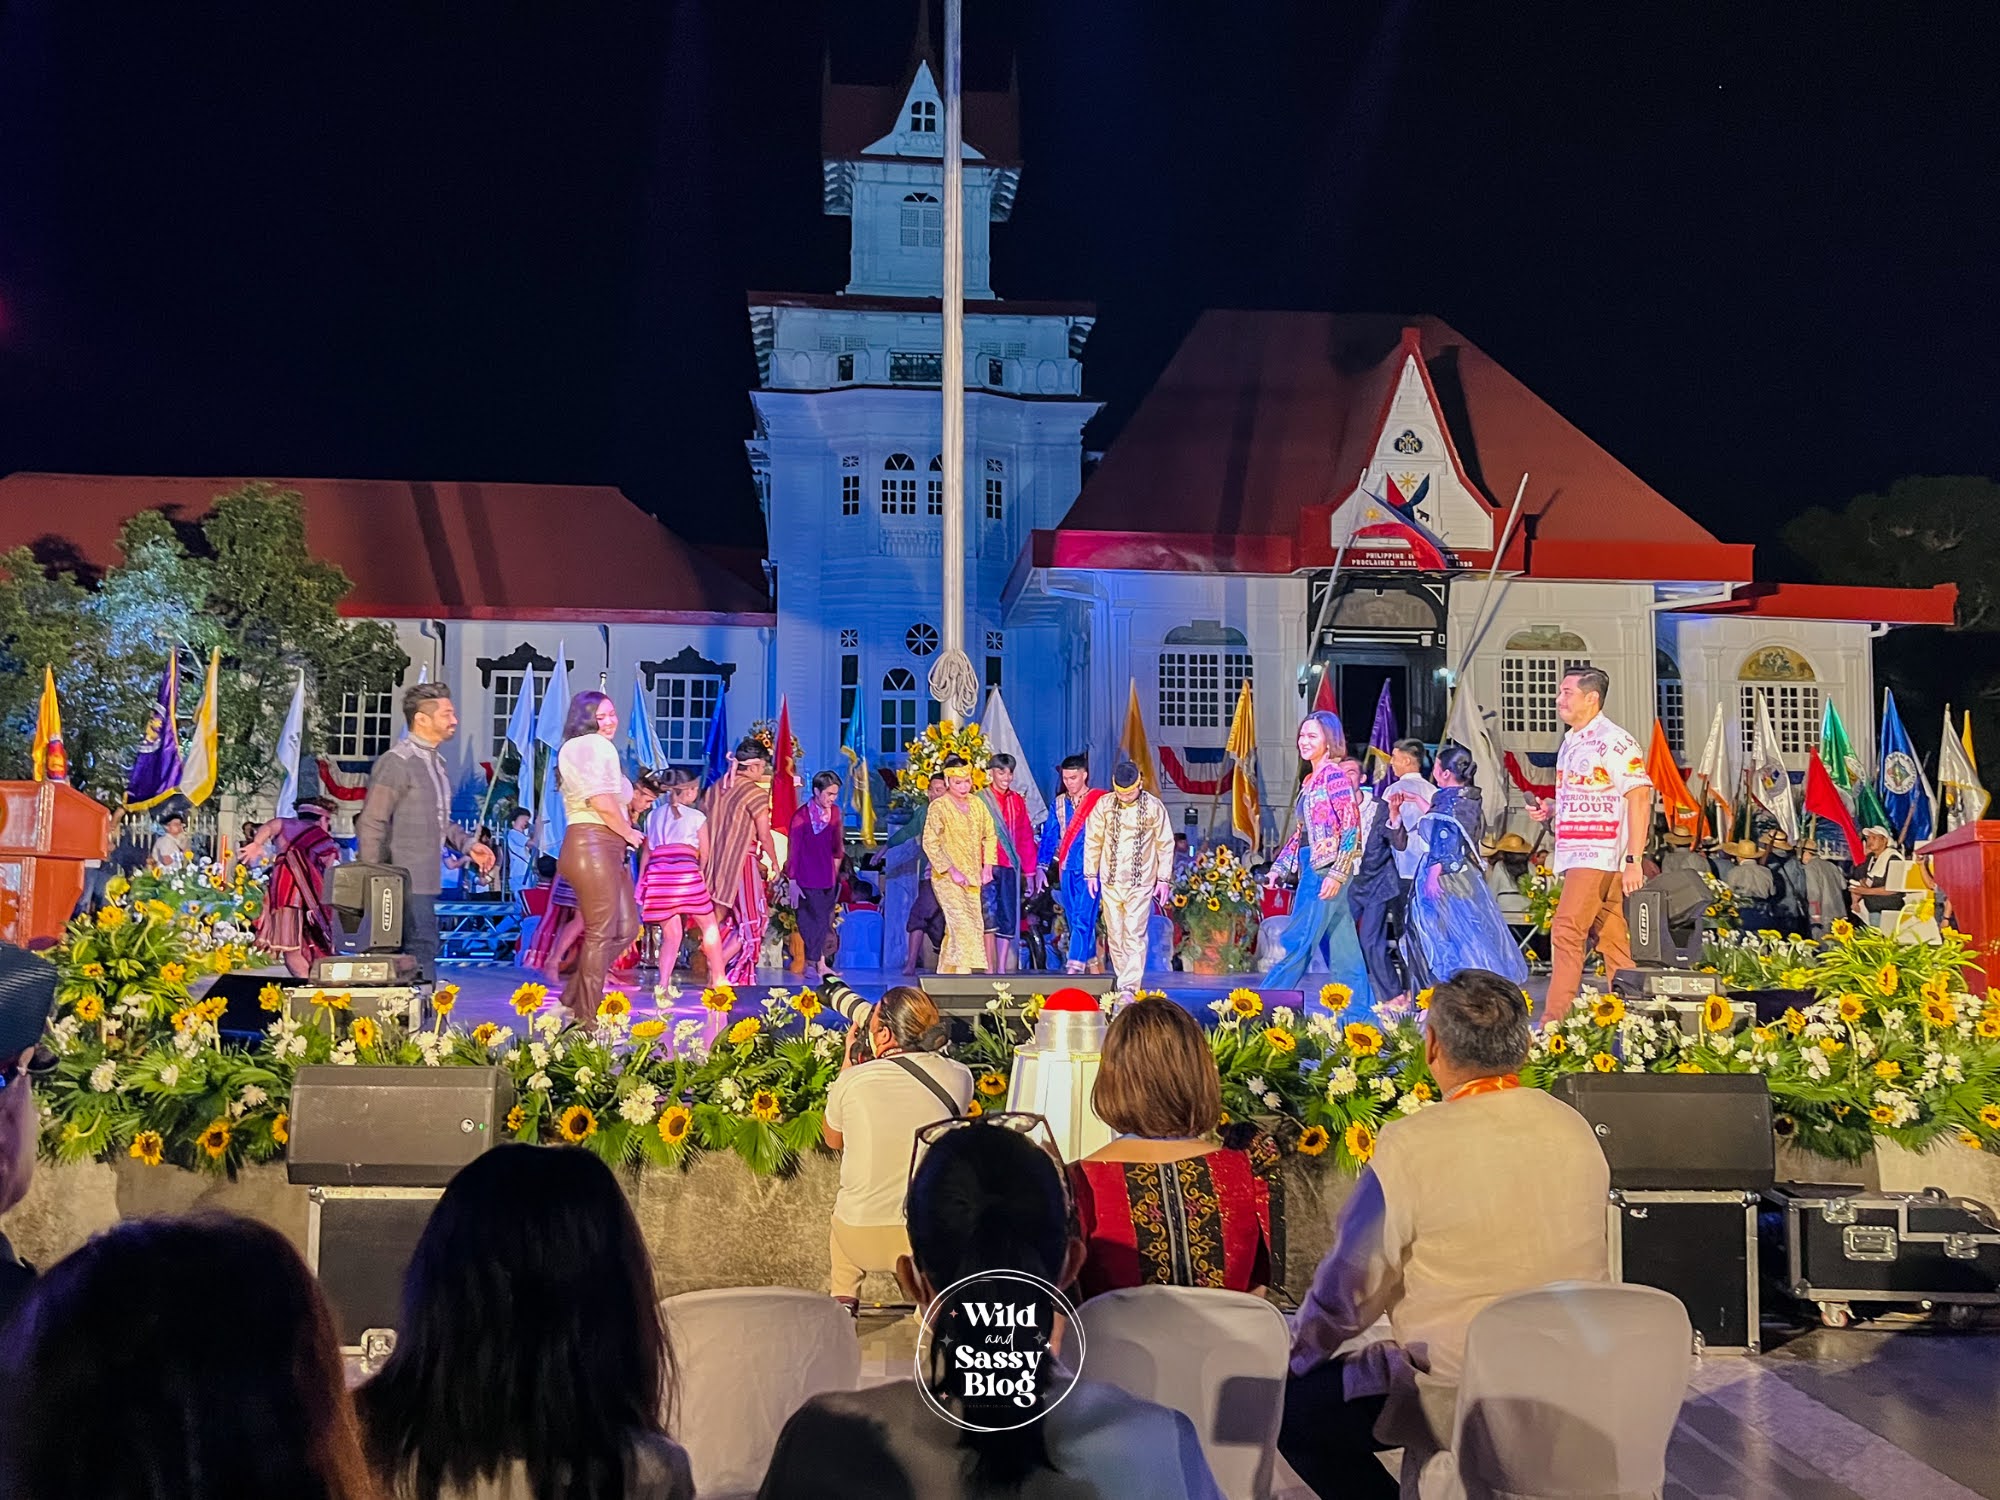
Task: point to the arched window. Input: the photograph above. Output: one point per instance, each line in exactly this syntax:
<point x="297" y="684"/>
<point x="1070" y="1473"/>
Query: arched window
<point x="923" y="117"/>
<point x="1671" y="704"/>
<point x="1202" y="670"/>
<point x="934" y="488"/>
<point x="899" y="485"/>
<point x="899" y="710"/>
<point x="1787" y="683"/>
<point x="923" y="221"/>
<point x="996" y="489"/>
<point x="1531" y="670"/>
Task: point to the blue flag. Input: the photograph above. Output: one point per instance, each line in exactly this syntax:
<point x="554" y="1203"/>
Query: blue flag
<point x="1381" y="740"/>
<point x="156" y="773"/>
<point x="1906" y="792"/>
<point x="715" y="747"/>
<point x="857" y="796"/>
<point x="521" y="735"/>
<point x="641" y="730"/>
<point x="549" y="730"/>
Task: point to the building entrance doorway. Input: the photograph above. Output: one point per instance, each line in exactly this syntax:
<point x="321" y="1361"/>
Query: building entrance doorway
<point x="1382" y="628"/>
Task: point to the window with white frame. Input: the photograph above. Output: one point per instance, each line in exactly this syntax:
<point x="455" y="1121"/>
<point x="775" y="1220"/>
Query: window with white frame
<point x="1670" y="705"/>
<point x="365" y="727"/>
<point x="934" y="488"/>
<point x="899" y="710"/>
<point x="996" y="497"/>
<point x="506" y="693"/>
<point x="923" y="118"/>
<point x="683" y="705"/>
<point x="850" y="494"/>
<point x="899" y="485"/>
<point x="923" y="221"/>
<point x="1198" y="689"/>
<point x="1790" y="688"/>
<point x="1531" y="669"/>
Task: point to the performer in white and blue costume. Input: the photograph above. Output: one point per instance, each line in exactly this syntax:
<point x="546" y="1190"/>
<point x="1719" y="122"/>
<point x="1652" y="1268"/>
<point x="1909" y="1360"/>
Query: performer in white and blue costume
<point x="1062" y="845"/>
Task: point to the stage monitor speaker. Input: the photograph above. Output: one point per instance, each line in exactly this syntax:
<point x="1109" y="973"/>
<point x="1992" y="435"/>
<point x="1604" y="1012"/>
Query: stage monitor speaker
<point x="358" y="1243"/>
<point x="1646" y="923"/>
<point x="393" y="1127"/>
<point x="245" y="1016"/>
<point x="1706" y="1132"/>
<point x="967" y="994"/>
<point x="369" y="900"/>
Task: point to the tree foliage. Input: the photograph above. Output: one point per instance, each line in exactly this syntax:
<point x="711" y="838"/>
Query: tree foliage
<point x="241" y="581"/>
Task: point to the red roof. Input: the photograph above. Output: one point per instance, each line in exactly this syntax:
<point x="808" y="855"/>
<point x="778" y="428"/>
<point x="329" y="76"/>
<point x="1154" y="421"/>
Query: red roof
<point x="1263" y="420"/>
<point x="1936" y="605"/>
<point x="422" y="550"/>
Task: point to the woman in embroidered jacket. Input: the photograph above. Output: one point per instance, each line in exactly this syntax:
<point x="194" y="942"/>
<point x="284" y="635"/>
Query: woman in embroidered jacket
<point x="1324" y="848"/>
<point x="960" y="841"/>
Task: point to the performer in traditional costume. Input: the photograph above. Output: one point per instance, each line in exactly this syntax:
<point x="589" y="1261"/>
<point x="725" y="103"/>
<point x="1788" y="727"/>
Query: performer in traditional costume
<point x="671" y="888"/>
<point x="297" y="923"/>
<point x="740" y="857"/>
<point x="1062" y="846"/>
<point x="1128" y="860"/>
<point x="1324" y="847"/>
<point x="960" y="841"/>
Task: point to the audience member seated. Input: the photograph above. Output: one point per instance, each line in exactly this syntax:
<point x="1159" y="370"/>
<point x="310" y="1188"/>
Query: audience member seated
<point x="1496" y="1189"/>
<point x="532" y="1360"/>
<point x="1167" y="1201"/>
<point x="27" y="999"/>
<point x="178" y="1359"/>
<point x="986" y="1198"/>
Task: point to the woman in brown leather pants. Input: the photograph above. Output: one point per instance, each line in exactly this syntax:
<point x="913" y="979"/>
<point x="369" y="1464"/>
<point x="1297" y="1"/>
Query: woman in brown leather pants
<point x="596" y="797"/>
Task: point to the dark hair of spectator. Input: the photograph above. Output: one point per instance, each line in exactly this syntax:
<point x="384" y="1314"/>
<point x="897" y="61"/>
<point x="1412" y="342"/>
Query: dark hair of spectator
<point x="418" y="696"/>
<point x="1000" y="760"/>
<point x="206" y="1343"/>
<point x="1074" y="763"/>
<point x="750" y="749"/>
<point x="582" y="716"/>
<point x="912" y="1018"/>
<point x="825" y="779"/>
<point x="530" y="1331"/>
<point x="1481" y="1021"/>
<point x="1158" y="1077"/>
<point x="1414" y="749"/>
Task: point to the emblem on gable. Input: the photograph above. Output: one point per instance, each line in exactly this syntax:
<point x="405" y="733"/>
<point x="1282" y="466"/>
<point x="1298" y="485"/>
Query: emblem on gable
<point x="1409" y="443"/>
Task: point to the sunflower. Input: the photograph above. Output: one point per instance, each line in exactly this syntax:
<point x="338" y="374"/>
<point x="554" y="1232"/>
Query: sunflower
<point x="93" y="971"/>
<point x="443" y="999"/>
<point x="112" y="917"/>
<point x="1424" y="996"/>
<point x="974" y="1109"/>
<point x="363" y="1032"/>
<point x="281" y="1127"/>
<point x="1213" y="904"/>
<point x="718" y="997"/>
<point x="1180" y="901"/>
<point x="1688" y="1067"/>
<point x="1280" y="1040"/>
<point x="528" y="999"/>
<point x="1360" y="1142"/>
<point x="764" y="1106"/>
<point x="1362" y="1038"/>
<point x="807" y="1003"/>
<point x="745" y="1031"/>
<point x="1313" y="1140"/>
<point x="1989" y="1025"/>
<point x="1716" y="1014"/>
<point x="148" y="1148"/>
<point x="1881" y="1114"/>
<point x="1831" y="1044"/>
<point x="1887" y="979"/>
<point x="1989" y="1116"/>
<point x="1970" y="1141"/>
<point x="577" y="1125"/>
<point x="1938" y="1012"/>
<point x="1607" y="1010"/>
<point x="173" y="973"/>
<point x="1794" y="1019"/>
<point x="645" y="1031"/>
<point x="1421" y="1092"/>
<point x="615" y="1006"/>
<point x="1765" y="1035"/>
<point x="1886" y="1069"/>
<point x="1558" y="1044"/>
<point x="90" y="1007"/>
<point x="992" y="1085"/>
<point x="1604" y="1062"/>
<point x="1336" y="997"/>
<point x="485" y="1033"/>
<point x="1842" y="930"/>
<point x="341" y="1001"/>
<point x="215" y="1140"/>
<point x="1245" y="1004"/>
<point x="271" y="997"/>
<point x="1852" y="1008"/>
<point x="516" y="1118"/>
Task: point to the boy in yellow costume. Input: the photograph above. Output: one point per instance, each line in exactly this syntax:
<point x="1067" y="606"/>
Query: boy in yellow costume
<point x="1128" y="858"/>
<point x="960" y="841"/>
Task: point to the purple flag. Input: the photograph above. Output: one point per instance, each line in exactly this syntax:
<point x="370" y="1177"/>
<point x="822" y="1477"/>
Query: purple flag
<point x="156" y="773"/>
<point x="1381" y="740"/>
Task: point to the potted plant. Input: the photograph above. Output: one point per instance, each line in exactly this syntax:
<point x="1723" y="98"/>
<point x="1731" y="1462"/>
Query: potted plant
<point x="1216" y="905"/>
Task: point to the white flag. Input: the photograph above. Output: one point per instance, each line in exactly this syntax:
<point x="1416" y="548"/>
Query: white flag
<point x="1468" y="728"/>
<point x="998" y="727"/>
<point x="1770" y="781"/>
<point x="1958" y="776"/>
<point x="1713" y="769"/>
<point x="288" y="748"/>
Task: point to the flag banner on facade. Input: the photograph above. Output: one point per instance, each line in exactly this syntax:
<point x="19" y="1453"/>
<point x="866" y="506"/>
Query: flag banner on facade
<point x="342" y="786"/>
<point x="521" y="735"/>
<point x="51" y="763"/>
<point x="1823" y="800"/>
<point x="715" y="745"/>
<point x="1138" y="749"/>
<point x="1197" y="770"/>
<point x="1966" y="799"/>
<point x="156" y="770"/>
<point x="1526" y="784"/>
<point x="1246" y="816"/>
<point x="1682" y="811"/>
<point x="549" y="730"/>
<point x="641" y="731"/>
<point x="1905" y="790"/>
<point x="1381" y="740"/>
<point x="784" y="772"/>
<point x="1770" y="781"/>
<point x="998" y="727"/>
<point x="198" y="769"/>
<point x="858" y="795"/>
<point x="1843" y="767"/>
<point x="290" y="738"/>
<point x="1713" y="770"/>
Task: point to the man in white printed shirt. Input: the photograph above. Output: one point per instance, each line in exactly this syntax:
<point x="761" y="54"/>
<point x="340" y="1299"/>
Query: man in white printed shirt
<point x="1603" y="813"/>
<point x="1497" y="1189"/>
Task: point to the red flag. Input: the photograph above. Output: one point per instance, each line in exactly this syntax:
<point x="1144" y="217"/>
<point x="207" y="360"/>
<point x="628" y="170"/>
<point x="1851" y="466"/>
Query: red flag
<point x="1823" y="800"/>
<point x="1323" y="699"/>
<point x="1676" y="801"/>
<point x="784" y="774"/>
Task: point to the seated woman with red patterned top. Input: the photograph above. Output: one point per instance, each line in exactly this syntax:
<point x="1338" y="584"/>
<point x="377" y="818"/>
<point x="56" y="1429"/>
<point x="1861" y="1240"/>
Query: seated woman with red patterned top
<point x="1168" y="1202"/>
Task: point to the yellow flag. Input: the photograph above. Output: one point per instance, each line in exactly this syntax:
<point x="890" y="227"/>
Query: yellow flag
<point x="1970" y="758"/>
<point x="198" y="769"/>
<point x="1244" y="815"/>
<point x="1133" y="743"/>
<point x="51" y="764"/>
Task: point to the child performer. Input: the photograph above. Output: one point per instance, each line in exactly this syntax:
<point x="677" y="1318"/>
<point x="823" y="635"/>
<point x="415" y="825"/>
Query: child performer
<point x="670" y="884"/>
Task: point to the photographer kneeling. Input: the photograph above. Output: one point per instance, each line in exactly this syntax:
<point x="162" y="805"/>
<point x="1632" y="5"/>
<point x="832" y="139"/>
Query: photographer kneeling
<point x="892" y="1083"/>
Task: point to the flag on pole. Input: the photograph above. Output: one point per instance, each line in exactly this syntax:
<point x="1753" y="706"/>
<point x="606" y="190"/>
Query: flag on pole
<point x="859" y="793"/>
<point x="156" y="770"/>
<point x="715" y="744"/>
<point x="1467" y="726"/>
<point x="998" y="727"/>
<point x="51" y="764"/>
<point x="1713" y="772"/>
<point x="1836" y="755"/>
<point x="1135" y="745"/>
<point x="198" y="771"/>
<point x="1381" y="740"/>
<point x="549" y="730"/>
<point x="1246" y="817"/>
<point x="644" y="734"/>
<point x="1971" y="758"/>
<point x="1906" y="792"/>
<point x="1823" y="800"/>
<point x="1770" y="782"/>
<point x="521" y="735"/>
<point x="784" y="772"/>
<point x="1966" y="799"/>
<point x="289" y="739"/>
<point x="1676" y="801"/>
<point x="1323" y="695"/>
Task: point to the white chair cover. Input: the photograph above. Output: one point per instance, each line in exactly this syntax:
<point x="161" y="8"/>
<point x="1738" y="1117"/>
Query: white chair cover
<point x="1217" y="1356"/>
<point x="749" y="1357"/>
<point x="1571" y="1390"/>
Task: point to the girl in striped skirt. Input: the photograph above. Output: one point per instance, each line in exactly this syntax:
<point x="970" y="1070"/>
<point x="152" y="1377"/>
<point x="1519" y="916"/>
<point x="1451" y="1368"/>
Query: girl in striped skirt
<point x="670" y="884"/>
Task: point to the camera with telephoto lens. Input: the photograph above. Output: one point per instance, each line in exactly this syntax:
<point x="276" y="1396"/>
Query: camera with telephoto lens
<point x="836" y="995"/>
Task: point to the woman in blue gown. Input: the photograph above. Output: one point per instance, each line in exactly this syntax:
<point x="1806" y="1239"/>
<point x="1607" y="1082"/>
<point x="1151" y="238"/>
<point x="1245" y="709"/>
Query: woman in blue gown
<point x="1451" y="920"/>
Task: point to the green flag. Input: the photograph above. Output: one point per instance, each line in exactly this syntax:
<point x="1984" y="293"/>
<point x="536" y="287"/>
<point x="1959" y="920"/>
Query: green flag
<point x="1835" y="753"/>
<point x="1868" y="809"/>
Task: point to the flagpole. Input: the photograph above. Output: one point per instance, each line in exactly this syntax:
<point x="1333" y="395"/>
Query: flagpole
<point x="1481" y="621"/>
<point x="952" y="682"/>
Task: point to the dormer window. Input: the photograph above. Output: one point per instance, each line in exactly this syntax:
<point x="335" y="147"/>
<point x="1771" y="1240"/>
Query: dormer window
<point x="923" y="221"/>
<point x="923" y="117"/>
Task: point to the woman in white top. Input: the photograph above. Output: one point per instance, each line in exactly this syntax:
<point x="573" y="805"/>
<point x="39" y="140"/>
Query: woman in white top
<point x="595" y="797"/>
<point x="670" y="885"/>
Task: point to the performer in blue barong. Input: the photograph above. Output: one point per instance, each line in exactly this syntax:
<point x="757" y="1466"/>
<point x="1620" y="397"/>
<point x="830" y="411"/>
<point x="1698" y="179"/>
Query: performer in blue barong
<point x="1062" y="846"/>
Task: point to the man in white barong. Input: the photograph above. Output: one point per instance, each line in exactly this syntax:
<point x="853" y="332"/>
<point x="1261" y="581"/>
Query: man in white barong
<point x="1128" y="860"/>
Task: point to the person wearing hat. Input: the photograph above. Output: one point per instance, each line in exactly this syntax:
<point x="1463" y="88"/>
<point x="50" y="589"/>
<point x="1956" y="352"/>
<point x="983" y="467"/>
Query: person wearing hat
<point x="1128" y="859"/>
<point x="27" y="999"/>
<point x="1878" y="854"/>
<point x="1755" y="889"/>
<point x="171" y="849"/>
<point x="1680" y="854"/>
<point x="1826" y="891"/>
<point x="1792" y="911"/>
<point x="297" y="923"/>
<point x="1507" y="860"/>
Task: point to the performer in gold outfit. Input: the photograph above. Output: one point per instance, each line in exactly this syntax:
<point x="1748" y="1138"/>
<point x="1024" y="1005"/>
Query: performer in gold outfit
<point x="960" y="842"/>
<point x="1128" y="858"/>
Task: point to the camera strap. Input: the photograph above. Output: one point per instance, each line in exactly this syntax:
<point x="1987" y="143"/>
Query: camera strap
<point x="950" y="1104"/>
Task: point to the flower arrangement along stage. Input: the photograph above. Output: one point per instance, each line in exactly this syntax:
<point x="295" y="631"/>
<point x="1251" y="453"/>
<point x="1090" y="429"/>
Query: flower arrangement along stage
<point x="216" y="905"/>
<point x="927" y="754"/>
<point x="1217" y="904"/>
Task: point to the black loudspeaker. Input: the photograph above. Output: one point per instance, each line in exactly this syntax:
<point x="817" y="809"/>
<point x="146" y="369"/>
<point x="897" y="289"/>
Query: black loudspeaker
<point x="246" y="1016"/>
<point x="1707" y="1132"/>
<point x="1646" y="923"/>
<point x="358" y="1243"/>
<point x="393" y="1127"/>
<point x="369" y="900"/>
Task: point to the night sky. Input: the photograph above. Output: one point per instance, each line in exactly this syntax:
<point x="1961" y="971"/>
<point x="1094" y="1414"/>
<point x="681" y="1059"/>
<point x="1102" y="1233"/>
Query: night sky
<point x="1751" y="249"/>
